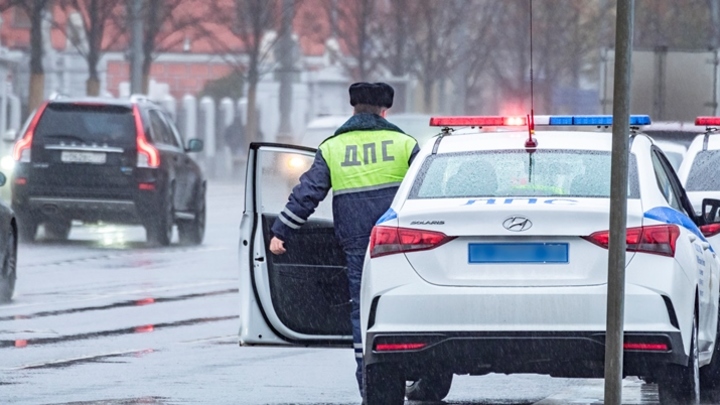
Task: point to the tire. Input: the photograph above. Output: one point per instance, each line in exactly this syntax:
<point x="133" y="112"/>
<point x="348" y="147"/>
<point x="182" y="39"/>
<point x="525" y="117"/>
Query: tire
<point x="384" y="385"/>
<point x="8" y="273"/>
<point x="433" y="387"/>
<point x="710" y="374"/>
<point x="192" y="232"/>
<point x="58" y="230"/>
<point x="159" y="229"/>
<point x="27" y="228"/>
<point x="681" y="385"/>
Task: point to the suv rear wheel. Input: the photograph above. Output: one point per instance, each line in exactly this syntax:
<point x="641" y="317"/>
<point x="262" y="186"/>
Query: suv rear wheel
<point x="58" y="229"/>
<point x="159" y="228"/>
<point x="27" y="227"/>
<point x="192" y="232"/>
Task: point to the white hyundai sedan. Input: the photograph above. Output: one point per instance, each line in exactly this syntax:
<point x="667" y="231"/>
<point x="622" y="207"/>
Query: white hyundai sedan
<point x="493" y="259"/>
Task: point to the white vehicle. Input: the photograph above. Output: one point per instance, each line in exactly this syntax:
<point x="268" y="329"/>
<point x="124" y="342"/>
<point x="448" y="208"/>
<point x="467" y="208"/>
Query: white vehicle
<point x="491" y="259"/>
<point x="674" y="152"/>
<point x="701" y="166"/>
<point x="415" y="125"/>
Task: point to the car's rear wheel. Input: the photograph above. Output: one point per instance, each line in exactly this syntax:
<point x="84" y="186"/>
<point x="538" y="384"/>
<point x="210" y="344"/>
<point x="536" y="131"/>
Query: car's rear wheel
<point x="27" y="228"/>
<point x="710" y="374"/>
<point x="159" y="228"/>
<point x="192" y="232"/>
<point x="58" y="229"/>
<point x="432" y="387"/>
<point x="384" y="385"/>
<point x="8" y="273"/>
<point x="681" y="384"/>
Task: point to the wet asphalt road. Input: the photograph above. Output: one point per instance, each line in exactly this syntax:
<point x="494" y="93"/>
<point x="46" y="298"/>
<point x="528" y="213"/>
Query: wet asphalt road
<point x="102" y="319"/>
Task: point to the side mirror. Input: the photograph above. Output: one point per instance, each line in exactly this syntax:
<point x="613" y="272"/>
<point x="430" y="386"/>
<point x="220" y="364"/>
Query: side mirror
<point x="9" y="135"/>
<point x="710" y="208"/>
<point x="194" y="145"/>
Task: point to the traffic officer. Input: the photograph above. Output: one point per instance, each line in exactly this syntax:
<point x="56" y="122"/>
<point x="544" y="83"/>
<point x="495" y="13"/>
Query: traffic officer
<point x="364" y="163"/>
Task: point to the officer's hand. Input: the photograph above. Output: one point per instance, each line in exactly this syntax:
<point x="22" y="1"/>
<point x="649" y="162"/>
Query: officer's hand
<point x="277" y="246"/>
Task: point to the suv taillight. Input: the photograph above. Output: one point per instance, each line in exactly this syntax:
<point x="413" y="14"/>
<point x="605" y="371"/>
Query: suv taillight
<point x="386" y="240"/>
<point x="148" y="155"/>
<point x="655" y="239"/>
<point x="23" y="147"/>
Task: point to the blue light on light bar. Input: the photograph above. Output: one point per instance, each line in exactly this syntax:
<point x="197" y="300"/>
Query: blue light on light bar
<point x="589" y="120"/>
<point x="640" y="120"/>
<point x="561" y="120"/>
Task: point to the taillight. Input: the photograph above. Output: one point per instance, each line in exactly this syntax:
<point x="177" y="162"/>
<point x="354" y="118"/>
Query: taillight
<point x="23" y="147"/>
<point x="655" y="239"/>
<point x="386" y="240"/>
<point x="398" y="347"/>
<point x="651" y="347"/>
<point x="148" y="155"/>
<point x="710" y="230"/>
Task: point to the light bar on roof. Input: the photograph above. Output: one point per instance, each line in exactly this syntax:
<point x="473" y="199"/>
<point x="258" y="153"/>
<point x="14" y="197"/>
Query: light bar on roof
<point x="540" y="120"/>
<point x="477" y="121"/>
<point x="707" y="121"/>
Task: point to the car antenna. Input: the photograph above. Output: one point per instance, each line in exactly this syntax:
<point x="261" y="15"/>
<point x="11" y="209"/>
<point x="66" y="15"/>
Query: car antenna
<point x="531" y="143"/>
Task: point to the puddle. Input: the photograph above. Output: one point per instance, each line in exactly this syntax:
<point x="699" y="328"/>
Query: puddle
<point x="21" y="343"/>
<point x="120" y="304"/>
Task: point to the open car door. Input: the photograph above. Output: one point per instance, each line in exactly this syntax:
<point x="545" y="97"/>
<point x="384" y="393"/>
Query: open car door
<point x="300" y="297"/>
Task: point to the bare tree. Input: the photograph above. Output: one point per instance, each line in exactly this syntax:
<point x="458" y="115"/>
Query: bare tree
<point x="352" y="23"/>
<point x="163" y="21"/>
<point x="35" y="10"/>
<point x="433" y="45"/>
<point x="95" y="16"/>
<point x="252" y="22"/>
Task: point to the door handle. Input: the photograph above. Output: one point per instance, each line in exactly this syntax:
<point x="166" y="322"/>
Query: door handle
<point x="705" y="245"/>
<point x="692" y="237"/>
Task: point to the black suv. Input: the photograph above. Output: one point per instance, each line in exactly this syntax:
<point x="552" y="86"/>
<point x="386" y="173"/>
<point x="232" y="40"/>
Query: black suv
<point x="118" y="161"/>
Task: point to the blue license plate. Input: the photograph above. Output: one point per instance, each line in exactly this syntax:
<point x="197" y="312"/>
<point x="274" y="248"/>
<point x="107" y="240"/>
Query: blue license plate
<point x="518" y="252"/>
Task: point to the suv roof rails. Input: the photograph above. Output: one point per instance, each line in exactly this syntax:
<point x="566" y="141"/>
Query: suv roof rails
<point x="136" y="98"/>
<point x="56" y="95"/>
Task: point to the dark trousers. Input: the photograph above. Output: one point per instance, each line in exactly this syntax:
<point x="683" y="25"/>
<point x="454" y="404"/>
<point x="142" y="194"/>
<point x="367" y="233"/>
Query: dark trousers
<point x="354" y="272"/>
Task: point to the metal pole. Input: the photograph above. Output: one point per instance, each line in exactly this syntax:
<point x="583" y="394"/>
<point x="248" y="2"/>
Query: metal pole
<point x="285" y="73"/>
<point x="618" y="204"/>
<point x="136" y="47"/>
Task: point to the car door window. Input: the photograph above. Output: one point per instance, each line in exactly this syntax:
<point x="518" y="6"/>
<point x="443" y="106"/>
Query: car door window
<point x="665" y="184"/>
<point x="174" y="135"/>
<point x="283" y="170"/>
<point x="160" y="131"/>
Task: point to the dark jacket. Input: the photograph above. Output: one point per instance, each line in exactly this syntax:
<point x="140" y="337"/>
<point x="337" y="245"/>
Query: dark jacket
<point x="354" y="213"/>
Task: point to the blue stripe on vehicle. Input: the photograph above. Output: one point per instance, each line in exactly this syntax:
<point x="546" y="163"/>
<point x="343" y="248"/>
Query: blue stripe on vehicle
<point x="387" y="216"/>
<point x="672" y="216"/>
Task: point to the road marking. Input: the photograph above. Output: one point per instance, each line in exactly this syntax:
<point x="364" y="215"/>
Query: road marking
<point x="210" y="339"/>
<point x="121" y="293"/>
<point x="77" y="359"/>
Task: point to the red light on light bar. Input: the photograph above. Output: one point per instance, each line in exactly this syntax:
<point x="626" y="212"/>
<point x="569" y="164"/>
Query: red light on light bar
<point x="390" y="347"/>
<point x="705" y="121"/>
<point x="646" y="346"/>
<point x="477" y="121"/>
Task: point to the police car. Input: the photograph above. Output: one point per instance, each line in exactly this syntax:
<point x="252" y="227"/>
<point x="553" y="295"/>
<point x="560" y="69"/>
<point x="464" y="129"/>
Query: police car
<point x="698" y="172"/>
<point x="492" y="259"/>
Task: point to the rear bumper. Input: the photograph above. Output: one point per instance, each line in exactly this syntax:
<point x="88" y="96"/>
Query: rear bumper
<point x="559" y="354"/>
<point x="85" y="209"/>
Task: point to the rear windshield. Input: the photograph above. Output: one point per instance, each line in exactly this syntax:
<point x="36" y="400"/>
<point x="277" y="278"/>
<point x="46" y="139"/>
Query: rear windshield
<point x="86" y="124"/>
<point x="704" y="172"/>
<point x="513" y="173"/>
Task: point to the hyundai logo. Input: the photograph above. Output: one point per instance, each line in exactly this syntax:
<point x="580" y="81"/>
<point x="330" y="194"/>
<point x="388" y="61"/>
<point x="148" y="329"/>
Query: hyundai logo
<point x="517" y="224"/>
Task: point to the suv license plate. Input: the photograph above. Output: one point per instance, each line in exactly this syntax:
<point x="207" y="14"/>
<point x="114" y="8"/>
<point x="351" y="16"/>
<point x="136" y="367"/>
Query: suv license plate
<point x="97" y="158"/>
